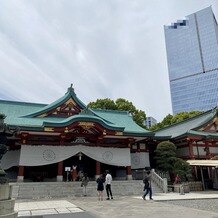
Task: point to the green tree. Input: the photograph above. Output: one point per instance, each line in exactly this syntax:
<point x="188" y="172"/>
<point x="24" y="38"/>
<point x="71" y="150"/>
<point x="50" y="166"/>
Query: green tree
<point x="121" y="104"/>
<point x="170" y="119"/>
<point x="165" y="122"/>
<point x="2" y="116"/>
<point x="183" y="116"/>
<point x="183" y="169"/>
<point x="106" y="103"/>
<point x="166" y="157"/>
<point x="125" y="105"/>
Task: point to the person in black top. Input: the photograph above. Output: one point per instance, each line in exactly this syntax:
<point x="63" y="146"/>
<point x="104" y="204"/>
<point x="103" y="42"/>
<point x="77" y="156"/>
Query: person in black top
<point x="147" y="186"/>
<point x="100" y="187"/>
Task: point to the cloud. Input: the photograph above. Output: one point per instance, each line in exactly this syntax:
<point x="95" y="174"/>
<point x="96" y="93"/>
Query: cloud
<point x="107" y="49"/>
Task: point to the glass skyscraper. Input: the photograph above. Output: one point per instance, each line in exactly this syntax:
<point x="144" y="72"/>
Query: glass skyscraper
<point x="192" y="55"/>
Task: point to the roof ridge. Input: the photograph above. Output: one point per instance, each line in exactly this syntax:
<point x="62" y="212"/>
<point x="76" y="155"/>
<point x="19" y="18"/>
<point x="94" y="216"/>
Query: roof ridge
<point x="69" y="94"/>
<point x="21" y="102"/>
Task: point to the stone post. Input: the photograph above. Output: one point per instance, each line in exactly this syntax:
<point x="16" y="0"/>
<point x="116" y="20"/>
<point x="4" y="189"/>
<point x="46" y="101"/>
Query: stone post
<point x="6" y="203"/>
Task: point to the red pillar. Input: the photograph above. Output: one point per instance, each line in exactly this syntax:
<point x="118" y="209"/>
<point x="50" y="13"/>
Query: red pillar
<point x="20" y="176"/>
<point x="60" y="171"/>
<point x="97" y="169"/>
<point x="191" y="152"/>
<point x="60" y="164"/>
<point x="129" y="173"/>
<point x="207" y="150"/>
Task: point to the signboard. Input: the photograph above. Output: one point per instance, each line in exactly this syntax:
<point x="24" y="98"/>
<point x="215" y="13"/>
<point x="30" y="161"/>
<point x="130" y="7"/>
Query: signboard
<point x="67" y="169"/>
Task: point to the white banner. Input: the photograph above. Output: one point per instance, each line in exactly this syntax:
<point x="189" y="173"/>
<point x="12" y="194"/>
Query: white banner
<point x="44" y="155"/>
<point x="10" y="159"/>
<point x="140" y="160"/>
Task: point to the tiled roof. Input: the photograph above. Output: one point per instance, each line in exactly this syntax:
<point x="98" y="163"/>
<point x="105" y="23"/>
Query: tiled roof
<point x="24" y="115"/>
<point x="182" y="128"/>
<point x="13" y="110"/>
<point x="121" y="118"/>
<point x="207" y="135"/>
<point x="88" y="118"/>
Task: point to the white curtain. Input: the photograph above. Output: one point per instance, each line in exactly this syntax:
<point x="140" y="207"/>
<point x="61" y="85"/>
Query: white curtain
<point x="140" y="160"/>
<point x="10" y="159"/>
<point x="44" y="155"/>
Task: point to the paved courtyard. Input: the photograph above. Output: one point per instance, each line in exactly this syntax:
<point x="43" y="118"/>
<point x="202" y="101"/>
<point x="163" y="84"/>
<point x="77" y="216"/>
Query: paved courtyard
<point x="193" y="205"/>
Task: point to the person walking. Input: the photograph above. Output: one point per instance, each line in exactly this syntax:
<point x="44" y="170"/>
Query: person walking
<point x="108" y="181"/>
<point x="100" y="187"/>
<point x="85" y="181"/>
<point x="147" y="186"/>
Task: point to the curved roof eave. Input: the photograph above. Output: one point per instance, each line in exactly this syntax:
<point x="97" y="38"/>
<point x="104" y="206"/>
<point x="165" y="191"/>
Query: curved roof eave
<point x="26" y="127"/>
<point x="90" y="110"/>
<point x="162" y="137"/>
<point x="206" y="135"/>
<point x="142" y="134"/>
<point x="82" y="118"/>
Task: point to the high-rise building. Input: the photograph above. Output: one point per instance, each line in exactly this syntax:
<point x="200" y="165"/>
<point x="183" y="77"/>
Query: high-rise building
<point x="192" y="55"/>
<point x="150" y="121"/>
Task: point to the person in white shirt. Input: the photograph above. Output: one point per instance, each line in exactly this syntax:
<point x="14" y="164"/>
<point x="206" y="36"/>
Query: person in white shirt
<point x="108" y="181"/>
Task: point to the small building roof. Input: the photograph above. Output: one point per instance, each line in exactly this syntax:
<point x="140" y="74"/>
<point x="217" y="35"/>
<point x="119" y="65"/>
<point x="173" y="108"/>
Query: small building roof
<point x="209" y="163"/>
<point x="189" y="126"/>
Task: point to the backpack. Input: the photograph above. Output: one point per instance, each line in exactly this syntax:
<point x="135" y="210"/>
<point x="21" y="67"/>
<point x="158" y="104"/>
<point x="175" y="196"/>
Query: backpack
<point x="145" y="181"/>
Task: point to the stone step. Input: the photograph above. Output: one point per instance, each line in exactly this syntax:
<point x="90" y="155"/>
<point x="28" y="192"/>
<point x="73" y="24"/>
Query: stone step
<point x="66" y="189"/>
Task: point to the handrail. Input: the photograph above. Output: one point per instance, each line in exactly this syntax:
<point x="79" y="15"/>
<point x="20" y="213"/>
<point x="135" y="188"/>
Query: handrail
<point x="160" y="182"/>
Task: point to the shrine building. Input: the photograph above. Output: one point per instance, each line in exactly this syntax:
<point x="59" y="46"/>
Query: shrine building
<point x="52" y="138"/>
<point x="196" y="140"/>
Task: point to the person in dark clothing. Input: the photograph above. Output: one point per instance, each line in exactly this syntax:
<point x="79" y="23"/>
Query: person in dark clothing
<point x="147" y="186"/>
<point x="100" y="187"/>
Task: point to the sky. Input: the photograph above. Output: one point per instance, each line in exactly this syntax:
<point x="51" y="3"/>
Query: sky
<point x="106" y="49"/>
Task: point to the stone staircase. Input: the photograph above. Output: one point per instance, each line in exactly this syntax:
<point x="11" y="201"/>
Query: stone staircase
<point x="37" y="190"/>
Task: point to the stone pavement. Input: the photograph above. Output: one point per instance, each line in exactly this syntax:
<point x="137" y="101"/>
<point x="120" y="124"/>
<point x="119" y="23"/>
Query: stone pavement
<point x="37" y="208"/>
<point x="120" y="206"/>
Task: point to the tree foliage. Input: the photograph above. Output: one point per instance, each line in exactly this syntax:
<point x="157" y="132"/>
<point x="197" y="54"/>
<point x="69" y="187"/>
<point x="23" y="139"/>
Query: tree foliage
<point x="170" y="119"/>
<point x="106" y="103"/>
<point x="167" y="161"/>
<point x="183" y="169"/>
<point x="121" y="104"/>
<point x="165" y="156"/>
<point x="2" y="116"/>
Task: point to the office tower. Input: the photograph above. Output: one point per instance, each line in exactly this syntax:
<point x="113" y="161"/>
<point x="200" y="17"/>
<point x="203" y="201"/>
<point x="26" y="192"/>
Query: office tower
<point x="192" y="55"/>
<point x="150" y="121"/>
